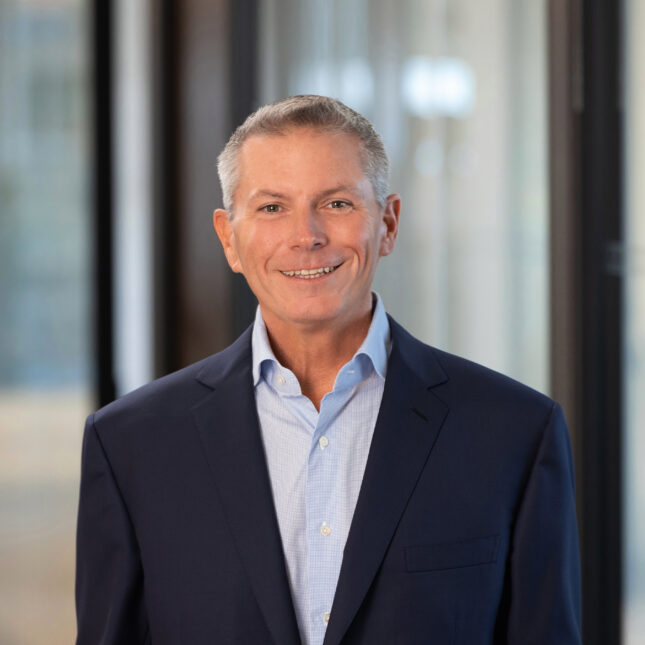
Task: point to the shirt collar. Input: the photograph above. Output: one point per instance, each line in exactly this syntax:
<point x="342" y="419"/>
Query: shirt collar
<point x="376" y="345"/>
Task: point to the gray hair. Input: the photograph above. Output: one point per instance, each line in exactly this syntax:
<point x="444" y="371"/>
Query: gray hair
<point x="306" y="110"/>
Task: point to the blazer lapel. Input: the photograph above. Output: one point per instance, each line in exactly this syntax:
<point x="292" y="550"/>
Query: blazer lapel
<point x="406" y="429"/>
<point x="228" y="426"/>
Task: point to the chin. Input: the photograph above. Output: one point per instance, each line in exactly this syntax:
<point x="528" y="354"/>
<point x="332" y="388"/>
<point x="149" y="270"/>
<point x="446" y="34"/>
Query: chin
<point x="313" y="315"/>
<point x="313" y="312"/>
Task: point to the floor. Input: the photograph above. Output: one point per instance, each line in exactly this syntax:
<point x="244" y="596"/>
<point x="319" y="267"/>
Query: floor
<point x="40" y="448"/>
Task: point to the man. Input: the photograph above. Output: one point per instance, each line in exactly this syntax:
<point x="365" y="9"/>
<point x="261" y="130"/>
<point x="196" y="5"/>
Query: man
<point x="326" y="478"/>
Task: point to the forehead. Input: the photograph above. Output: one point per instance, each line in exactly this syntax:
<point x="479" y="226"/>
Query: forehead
<point x="302" y="150"/>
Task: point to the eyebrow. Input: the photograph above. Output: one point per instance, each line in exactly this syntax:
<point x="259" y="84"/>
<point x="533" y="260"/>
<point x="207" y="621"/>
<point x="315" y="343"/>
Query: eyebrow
<point x="336" y="189"/>
<point x="318" y="196"/>
<point x="267" y="193"/>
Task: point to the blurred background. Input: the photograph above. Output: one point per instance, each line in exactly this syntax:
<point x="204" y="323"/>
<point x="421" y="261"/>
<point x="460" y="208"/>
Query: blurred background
<point x="516" y="130"/>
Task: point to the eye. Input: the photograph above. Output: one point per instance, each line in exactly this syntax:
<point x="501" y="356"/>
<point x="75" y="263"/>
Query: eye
<point x="339" y="203"/>
<point x="271" y="208"/>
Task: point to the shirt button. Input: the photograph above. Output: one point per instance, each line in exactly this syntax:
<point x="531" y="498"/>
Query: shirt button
<point x="281" y="379"/>
<point x="325" y="529"/>
<point x="326" y="617"/>
<point x="323" y="442"/>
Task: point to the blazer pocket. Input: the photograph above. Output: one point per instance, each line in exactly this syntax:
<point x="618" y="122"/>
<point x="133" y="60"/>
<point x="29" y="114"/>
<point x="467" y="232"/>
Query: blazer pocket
<point x="452" y="555"/>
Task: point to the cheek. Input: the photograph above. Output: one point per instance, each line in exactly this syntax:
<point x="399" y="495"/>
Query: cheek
<point x="369" y="244"/>
<point x="358" y="234"/>
<point x="256" y="246"/>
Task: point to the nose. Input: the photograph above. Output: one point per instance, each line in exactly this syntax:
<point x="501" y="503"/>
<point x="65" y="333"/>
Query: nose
<point x="307" y="229"/>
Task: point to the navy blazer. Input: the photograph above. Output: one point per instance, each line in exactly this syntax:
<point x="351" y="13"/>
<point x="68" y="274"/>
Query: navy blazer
<point x="464" y="532"/>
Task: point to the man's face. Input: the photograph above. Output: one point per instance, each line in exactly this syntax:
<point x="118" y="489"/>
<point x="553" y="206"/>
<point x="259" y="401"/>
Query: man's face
<point x="307" y="232"/>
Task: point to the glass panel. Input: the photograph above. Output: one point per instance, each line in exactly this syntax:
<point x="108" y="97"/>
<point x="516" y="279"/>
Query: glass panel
<point x="458" y="91"/>
<point x="44" y="316"/>
<point x="634" y="332"/>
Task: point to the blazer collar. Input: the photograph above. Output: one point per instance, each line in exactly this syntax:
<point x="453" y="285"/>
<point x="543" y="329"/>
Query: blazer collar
<point x="407" y="427"/>
<point x="419" y="358"/>
<point x="230" y="362"/>
<point x="228" y="427"/>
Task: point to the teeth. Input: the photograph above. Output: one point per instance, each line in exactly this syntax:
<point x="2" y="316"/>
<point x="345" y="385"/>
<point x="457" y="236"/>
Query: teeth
<point x="309" y="273"/>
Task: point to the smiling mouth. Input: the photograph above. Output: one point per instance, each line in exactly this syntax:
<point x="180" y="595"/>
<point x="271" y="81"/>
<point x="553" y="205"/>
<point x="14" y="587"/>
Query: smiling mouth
<point x="309" y="274"/>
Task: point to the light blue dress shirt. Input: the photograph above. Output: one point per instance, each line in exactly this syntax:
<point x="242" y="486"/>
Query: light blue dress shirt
<point x="316" y="462"/>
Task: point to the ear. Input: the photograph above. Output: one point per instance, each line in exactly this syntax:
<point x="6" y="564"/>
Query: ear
<point x="224" y="229"/>
<point x="390" y="223"/>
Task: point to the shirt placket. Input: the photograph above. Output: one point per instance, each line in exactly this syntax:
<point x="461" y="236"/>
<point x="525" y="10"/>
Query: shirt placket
<point x="325" y="533"/>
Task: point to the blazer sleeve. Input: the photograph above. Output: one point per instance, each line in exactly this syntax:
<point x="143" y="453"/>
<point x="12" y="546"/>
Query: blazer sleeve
<point x="109" y="578"/>
<point x="545" y="567"/>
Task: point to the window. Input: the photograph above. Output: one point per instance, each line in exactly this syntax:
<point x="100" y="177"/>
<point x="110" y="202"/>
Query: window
<point x="45" y="341"/>
<point x="458" y="92"/>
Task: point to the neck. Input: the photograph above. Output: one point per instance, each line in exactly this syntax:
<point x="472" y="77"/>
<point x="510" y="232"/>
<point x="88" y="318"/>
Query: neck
<point x="315" y="355"/>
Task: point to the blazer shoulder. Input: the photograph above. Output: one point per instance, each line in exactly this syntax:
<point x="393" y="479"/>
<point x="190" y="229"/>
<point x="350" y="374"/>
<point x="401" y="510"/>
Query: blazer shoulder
<point x="480" y="376"/>
<point x="487" y="405"/>
<point x="487" y="401"/>
<point x="466" y="382"/>
<point x="174" y="393"/>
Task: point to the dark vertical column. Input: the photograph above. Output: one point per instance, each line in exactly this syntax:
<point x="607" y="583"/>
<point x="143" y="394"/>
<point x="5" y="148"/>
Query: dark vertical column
<point x="101" y="32"/>
<point x="244" y="59"/>
<point x="601" y="267"/>
<point x="586" y="285"/>
<point x="565" y="111"/>
<point x="202" y="116"/>
<point x="565" y="108"/>
<point x="204" y="59"/>
<point x="244" y="88"/>
<point x="164" y="17"/>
